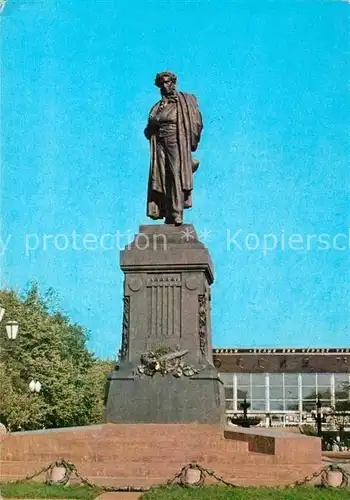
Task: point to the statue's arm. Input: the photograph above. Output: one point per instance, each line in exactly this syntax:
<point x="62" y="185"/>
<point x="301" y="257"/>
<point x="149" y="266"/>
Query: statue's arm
<point x="151" y="127"/>
<point x="196" y="121"/>
<point x="149" y="131"/>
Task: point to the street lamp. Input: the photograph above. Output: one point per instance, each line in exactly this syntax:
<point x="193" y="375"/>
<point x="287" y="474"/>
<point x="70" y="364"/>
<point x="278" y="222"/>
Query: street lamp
<point x="12" y="330"/>
<point x="35" y="386"/>
<point x="319" y="416"/>
<point x="2" y="312"/>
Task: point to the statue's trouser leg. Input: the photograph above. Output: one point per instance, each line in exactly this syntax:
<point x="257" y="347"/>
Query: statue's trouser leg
<point x="173" y="181"/>
<point x="161" y="160"/>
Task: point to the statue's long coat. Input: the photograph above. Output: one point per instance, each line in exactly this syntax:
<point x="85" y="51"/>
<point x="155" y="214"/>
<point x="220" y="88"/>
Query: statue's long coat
<point x="189" y="128"/>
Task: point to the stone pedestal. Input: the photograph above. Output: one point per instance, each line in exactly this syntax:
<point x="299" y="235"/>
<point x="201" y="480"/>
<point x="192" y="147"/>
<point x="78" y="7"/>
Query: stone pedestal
<point x="145" y="455"/>
<point x="168" y="274"/>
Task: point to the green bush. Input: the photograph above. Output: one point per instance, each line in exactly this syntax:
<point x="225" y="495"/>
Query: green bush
<point x="40" y="490"/>
<point x="308" y="430"/>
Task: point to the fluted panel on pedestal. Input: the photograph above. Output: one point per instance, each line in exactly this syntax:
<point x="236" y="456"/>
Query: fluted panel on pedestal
<point x="164" y="305"/>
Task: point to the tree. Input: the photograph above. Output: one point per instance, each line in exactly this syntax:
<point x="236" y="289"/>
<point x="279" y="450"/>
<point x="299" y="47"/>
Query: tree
<point x="51" y="349"/>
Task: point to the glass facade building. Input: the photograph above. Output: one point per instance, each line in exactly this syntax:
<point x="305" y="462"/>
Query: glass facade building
<point x="285" y="396"/>
<point x="283" y="392"/>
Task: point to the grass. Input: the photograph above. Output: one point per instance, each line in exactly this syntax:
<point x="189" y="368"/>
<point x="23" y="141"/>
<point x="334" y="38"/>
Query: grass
<point x="226" y="493"/>
<point x="40" y="490"/>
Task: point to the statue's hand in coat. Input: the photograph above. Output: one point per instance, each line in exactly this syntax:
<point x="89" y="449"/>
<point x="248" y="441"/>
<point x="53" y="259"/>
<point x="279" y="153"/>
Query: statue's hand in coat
<point x="152" y="126"/>
<point x="150" y="130"/>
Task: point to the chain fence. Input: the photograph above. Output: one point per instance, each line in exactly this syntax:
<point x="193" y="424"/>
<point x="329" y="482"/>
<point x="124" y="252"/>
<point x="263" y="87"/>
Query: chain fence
<point x="180" y="478"/>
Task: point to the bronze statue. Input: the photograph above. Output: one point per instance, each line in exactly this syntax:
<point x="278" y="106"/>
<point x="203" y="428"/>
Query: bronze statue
<point x="174" y="129"/>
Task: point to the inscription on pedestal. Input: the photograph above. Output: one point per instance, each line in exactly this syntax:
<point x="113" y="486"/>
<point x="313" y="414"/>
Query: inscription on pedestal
<point x="164" y="298"/>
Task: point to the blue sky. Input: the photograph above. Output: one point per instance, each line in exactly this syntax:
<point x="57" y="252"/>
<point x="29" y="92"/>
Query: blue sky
<point x="271" y="80"/>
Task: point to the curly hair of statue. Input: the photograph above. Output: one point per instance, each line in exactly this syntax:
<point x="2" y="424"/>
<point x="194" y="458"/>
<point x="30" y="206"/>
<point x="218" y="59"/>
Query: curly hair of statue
<point x="163" y="74"/>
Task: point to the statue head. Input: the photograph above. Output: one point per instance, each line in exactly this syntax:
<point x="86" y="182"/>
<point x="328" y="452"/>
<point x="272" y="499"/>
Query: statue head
<point x="166" y="81"/>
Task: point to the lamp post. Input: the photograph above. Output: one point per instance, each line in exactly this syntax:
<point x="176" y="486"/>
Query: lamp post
<point x="12" y="328"/>
<point x="319" y="416"/>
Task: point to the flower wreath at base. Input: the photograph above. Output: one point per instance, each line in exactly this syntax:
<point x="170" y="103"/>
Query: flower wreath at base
<point x="165" y="360"/>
